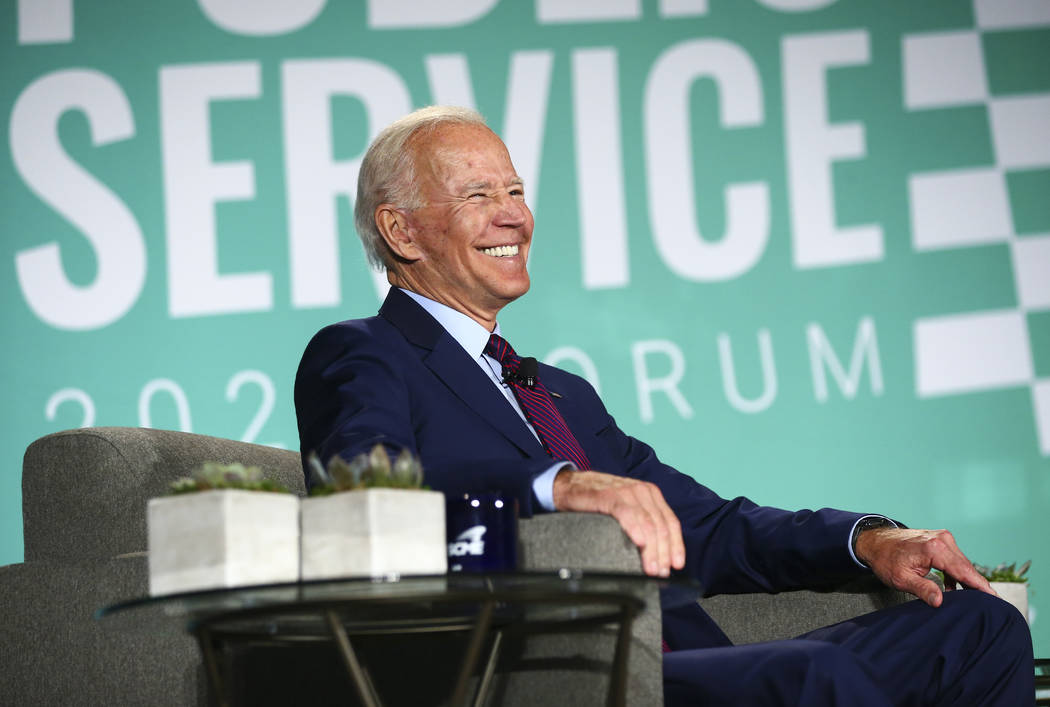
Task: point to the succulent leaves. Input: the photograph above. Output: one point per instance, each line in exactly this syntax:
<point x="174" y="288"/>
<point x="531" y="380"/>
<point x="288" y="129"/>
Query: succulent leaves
<point x="379" y="461"/>
<point x="371" y="469"/>
<point x="1005" y="572"/>
<point x="212" y="475"/>
<point x="407" y="471"/>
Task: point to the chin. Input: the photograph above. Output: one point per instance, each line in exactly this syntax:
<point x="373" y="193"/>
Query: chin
<point x="522" y="289"/>
<point x="510" y="294"/>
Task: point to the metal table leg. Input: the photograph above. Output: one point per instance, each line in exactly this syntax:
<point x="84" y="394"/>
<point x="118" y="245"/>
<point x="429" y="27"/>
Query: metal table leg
<point x="618" y="676"/>
<point x="490" y="669"/>
<point x="365" y="689"/>
<point x="211" y="664"/>
<point x="477" y="637"/>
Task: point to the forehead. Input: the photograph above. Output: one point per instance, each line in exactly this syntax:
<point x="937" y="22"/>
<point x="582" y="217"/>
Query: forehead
<point x="462" y="153"/>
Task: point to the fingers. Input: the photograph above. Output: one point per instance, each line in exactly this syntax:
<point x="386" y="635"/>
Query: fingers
<point x="902" y="558"/>
<point x="677" y="542"/>
<point x="956" y="566"/>
<point x="638" y="506"/>
<point x="665" y="528"/>
<point x="923" y="588"/>
<point x="967" y="576"/>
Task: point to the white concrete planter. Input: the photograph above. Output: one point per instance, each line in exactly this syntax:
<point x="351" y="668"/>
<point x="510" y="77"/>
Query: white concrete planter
<point x="1015" y="593"/>
<point x="222" y="538"/>
<point x="373" y="532"/>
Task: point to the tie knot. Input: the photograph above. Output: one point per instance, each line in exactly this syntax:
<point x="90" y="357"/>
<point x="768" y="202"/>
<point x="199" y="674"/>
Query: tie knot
<point x="499" y="349"/>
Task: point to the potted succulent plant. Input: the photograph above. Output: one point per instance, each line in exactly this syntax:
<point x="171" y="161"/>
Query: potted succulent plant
<point x="370" y="517"/>
<point x="223" y="526"/>
<point x="1010" y="583"/>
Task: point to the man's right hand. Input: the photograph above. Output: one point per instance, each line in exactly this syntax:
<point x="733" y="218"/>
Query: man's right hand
<point x="638" y="506"/>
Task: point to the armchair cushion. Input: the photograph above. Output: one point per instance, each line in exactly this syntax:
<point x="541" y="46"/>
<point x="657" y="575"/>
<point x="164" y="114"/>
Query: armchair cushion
<point x="56" y="653"/>
<point x="753" y="618"/>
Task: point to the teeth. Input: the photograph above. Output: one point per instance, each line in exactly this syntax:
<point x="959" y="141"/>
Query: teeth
<point x="501" y="251"/>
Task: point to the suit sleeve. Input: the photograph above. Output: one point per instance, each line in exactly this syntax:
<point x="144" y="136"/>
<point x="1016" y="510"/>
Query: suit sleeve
<point x="735" y="546"/>
<point x="351" y="394"/>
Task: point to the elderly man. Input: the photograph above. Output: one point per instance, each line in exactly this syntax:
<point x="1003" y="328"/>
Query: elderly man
<point x="441" y="208"/>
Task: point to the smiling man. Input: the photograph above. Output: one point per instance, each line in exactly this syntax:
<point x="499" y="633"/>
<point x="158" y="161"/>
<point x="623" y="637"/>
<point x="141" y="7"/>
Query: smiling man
<point x="442" y="209"/>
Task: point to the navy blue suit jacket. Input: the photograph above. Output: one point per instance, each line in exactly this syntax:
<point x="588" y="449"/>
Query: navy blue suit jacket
<point x="400" y="379"/>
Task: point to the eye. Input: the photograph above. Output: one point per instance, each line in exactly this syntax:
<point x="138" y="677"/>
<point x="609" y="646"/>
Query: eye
<point x="517" y="192"/>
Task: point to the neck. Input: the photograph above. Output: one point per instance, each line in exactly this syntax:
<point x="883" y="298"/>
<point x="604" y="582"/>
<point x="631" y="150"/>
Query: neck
<point x="486" y="317"/>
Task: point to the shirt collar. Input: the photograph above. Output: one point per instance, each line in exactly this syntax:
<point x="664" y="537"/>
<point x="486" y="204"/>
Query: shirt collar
<point x="468" y="333"/>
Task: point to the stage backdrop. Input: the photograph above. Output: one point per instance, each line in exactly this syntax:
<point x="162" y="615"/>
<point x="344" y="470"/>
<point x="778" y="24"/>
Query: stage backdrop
<point x="802" y="247"/>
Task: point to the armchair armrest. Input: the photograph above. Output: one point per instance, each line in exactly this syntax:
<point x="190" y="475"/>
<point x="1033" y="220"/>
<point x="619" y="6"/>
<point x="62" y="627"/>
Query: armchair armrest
<point x="595" y="542"/>
<point x="578" y="541"/>
<point x="753" y="618"/>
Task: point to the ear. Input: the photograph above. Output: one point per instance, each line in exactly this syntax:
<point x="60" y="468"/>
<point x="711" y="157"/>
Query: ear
<point x="395" y="229"/>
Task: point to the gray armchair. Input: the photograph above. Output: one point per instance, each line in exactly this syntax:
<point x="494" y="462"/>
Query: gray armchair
<point x="84" y="495"/>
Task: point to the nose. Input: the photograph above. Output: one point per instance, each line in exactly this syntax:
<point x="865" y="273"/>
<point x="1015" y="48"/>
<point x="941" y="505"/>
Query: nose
<point x="511" y="211"/>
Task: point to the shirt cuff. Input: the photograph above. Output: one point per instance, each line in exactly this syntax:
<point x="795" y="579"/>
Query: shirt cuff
<point x="543" y="484"/>
<point x="849" y="538"/>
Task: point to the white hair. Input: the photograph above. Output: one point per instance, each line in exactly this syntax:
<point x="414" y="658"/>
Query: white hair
<point x="387" y="173"/>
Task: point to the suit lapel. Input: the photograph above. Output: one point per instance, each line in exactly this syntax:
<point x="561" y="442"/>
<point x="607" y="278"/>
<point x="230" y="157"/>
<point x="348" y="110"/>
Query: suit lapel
<point x="464" y="377"/>
<point x="454" y="367"/>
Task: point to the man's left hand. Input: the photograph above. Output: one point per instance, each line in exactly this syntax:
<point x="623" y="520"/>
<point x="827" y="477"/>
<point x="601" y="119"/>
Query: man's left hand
<point x="902" y="558"/>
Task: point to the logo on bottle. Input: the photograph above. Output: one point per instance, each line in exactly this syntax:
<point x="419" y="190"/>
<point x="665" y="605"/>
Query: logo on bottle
<point x="468" y="542"/>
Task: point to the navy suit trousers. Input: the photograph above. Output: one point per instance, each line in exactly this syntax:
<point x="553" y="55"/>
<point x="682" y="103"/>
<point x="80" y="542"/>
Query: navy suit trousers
<point x="973" y="650"/>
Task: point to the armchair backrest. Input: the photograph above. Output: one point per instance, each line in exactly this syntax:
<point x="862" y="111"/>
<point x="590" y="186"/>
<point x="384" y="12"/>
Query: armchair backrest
<point x="84" y="491"/>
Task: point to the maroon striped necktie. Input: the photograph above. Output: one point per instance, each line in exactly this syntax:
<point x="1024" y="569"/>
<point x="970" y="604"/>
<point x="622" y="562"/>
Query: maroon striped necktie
<point x="536" y="403"/>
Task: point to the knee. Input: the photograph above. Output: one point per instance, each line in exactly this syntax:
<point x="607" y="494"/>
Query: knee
<point x="992" y="649"/>
<point x="970" y="602"/>
<point x="990" y="617"/>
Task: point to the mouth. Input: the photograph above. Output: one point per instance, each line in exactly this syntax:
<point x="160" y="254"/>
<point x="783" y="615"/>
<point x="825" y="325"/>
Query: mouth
<point x="501" y="251"/>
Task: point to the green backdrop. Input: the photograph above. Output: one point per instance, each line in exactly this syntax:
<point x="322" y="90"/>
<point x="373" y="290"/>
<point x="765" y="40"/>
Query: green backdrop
<point x="801" y="246"/>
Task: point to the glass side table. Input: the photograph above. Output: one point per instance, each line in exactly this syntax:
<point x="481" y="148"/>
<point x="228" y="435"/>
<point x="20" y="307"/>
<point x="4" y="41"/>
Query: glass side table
<point x="486" y="607"/>
<point x="1042" y="681"/>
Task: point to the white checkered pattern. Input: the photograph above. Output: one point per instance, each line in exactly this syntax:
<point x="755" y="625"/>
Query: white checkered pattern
<point x="959" y="208"/>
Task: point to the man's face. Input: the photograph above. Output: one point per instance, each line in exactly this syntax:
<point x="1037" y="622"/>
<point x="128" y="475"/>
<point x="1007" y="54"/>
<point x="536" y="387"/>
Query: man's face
<point x="472" y="233"/>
